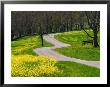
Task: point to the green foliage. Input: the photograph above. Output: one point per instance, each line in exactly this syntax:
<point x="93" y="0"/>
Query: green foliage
<point x="77" y="50"/>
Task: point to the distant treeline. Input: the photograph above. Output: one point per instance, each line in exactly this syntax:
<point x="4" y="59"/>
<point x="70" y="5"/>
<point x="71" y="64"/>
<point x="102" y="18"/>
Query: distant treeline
<point x="44" y="22"/>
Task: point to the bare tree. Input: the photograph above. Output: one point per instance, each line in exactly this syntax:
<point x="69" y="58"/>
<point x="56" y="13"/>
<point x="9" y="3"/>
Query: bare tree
<point x="93" y="19"/>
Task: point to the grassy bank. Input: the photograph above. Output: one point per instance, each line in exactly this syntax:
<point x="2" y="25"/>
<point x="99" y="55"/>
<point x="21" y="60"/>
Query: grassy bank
<point x="77" y="49"/>
<point x="25" y="45"/>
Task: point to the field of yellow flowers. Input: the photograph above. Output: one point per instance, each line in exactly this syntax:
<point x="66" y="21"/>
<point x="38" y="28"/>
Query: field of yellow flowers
<point x="29" y="65"/>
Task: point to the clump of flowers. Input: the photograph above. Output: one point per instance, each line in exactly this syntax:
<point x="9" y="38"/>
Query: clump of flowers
<point x="29" y="65"/>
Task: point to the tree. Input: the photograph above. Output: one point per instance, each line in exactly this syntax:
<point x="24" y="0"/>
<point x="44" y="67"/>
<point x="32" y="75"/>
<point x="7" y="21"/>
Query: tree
<point x="45" y="22"/>
<point x="93" y="19"/>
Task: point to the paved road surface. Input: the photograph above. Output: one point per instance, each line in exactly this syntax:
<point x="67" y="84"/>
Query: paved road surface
<point x="47" y="51"/>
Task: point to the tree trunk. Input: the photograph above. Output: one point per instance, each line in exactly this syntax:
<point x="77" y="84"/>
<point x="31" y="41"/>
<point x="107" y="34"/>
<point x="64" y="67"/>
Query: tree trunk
<point x="41" y="34"/>
<point x="78" y="26"/>
<point x="12" y="36"/>
<point x="42" y="40"/>
<point x="95" y="39"/>
<point x="71" y="26"/>
<point x="66" y="26"/>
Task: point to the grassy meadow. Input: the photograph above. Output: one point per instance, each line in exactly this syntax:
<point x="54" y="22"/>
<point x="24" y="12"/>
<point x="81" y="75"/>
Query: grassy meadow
<point x="77" y="49"/>
<point x="25" y="63"/>
<point x="25" y="45"/>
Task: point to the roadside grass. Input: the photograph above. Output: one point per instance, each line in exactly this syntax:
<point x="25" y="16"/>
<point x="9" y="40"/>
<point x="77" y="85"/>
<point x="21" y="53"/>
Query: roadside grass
<point x="72" y="69"/>
<point x="77" y="49"/>
<point x="25" y="45"/>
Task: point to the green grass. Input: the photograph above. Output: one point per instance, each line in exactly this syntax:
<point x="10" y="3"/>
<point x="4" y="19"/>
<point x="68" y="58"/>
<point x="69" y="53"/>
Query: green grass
<point x="25" y="45"/>
<point x="72" y="69"/>
<point x="77" y="50"/>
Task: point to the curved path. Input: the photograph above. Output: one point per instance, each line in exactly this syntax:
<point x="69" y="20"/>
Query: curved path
<point x="47" y="51"/>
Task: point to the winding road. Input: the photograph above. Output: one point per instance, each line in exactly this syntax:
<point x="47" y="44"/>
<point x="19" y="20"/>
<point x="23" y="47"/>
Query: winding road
<point x="48" y="51"/>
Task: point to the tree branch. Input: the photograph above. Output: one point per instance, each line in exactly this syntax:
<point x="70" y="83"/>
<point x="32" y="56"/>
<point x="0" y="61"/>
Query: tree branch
<point x="87" y="33"/>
